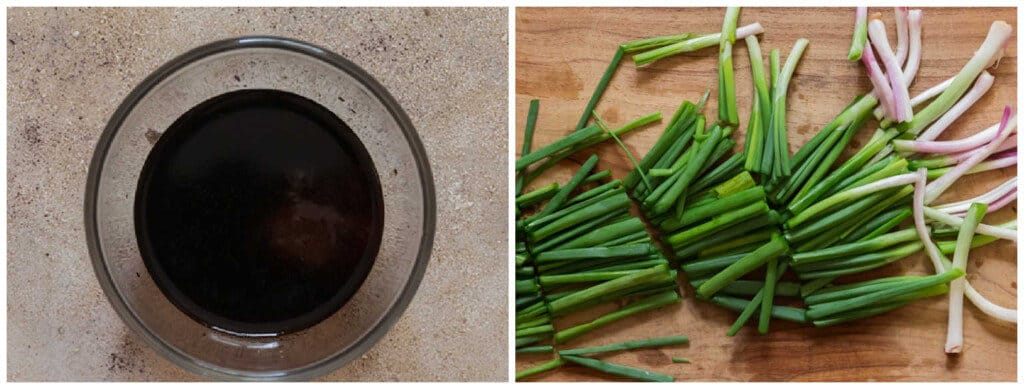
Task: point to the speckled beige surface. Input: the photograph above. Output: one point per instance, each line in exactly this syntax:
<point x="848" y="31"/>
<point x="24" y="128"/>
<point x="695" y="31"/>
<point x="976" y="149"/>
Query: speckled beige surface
<point x="69" y="68"/>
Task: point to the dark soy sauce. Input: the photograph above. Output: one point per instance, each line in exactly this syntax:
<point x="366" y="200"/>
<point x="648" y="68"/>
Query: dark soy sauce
<point x="259" y="212"/>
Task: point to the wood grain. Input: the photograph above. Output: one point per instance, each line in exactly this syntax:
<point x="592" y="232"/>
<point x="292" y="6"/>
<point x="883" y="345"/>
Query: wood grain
<point x="562" y="52"/>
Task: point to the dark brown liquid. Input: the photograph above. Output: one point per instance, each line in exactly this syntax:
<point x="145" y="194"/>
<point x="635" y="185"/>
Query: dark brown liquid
<point x="259" y="212"/>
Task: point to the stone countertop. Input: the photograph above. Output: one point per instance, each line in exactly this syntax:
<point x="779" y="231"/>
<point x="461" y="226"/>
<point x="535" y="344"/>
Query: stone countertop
<point x="69" y="68"/>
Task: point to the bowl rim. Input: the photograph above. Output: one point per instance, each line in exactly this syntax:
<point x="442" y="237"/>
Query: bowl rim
<point x="405" y="296"/>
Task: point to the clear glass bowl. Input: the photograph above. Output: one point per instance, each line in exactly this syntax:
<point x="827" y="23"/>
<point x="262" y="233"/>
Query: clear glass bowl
<point x="260" y="63"/>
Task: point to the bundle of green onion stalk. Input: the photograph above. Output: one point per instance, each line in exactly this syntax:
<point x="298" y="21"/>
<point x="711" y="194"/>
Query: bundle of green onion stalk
<point x="584" y="248"/>
<point x="807" y="214"/>
<point x="578" y="246"/>
<point x="736" y="223"/>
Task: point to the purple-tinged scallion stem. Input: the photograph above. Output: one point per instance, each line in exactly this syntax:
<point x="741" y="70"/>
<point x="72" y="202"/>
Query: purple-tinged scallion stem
<point x="1007" y="149"/>
<point x="988" y="198"/>
<point x="942" y="264"/>
<point x="902" y="33"/>
<point x="915" y="101"/>
<point x="893" y="70"/>
<point x="1002" y="160"/>
<point x="1003" y="201"/>
<point x="911" y="67"/>
<point x="882" y="89"/>
<point x="995" y="205"/>
<point x="1008" y="144"/>
<point x="981" y="86"/>
<point x="914" y="58"/>
<point x="979" y="139"/>
<point x="990" y="51"/>
<point x="935" y="188"/>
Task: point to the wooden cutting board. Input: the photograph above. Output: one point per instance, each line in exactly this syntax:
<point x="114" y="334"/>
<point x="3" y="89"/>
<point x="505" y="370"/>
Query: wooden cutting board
<point x="560" y="56"/>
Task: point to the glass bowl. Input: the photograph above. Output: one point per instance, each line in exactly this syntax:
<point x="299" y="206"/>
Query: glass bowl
<point x="260" y="62"/>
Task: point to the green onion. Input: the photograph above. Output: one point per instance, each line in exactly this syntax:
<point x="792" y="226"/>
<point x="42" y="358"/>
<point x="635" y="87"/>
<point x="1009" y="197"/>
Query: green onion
<point x="648" y="276"/>
<point x="629" y="154"/>
<point x="850" y="195"/>
<point x="773" y="249"/>
<point x="535" y="349"/>
<point x="693" y="44"/>
<point x="820" y="311"/>
<point x="730" y="168"/>
<point x="568" y="141"/>
<point x="568" y="237"/>
<point x="819" y="226"/>
<point x="681" y="121"/>
<point x="630" y="266"/>
<point x="804" y="200"/>
<point x="595" y="195"/>
<point x="594" y="210"/>
<point x="716" y="207"/>
<point x="526" y="287"/>
<point x="848" y="291"/>
<point x="769" y="294"/>
<point x="593" y="252"/>
<point x="595" y="191"/>
<point x="654" y="42"/>
<point x="860" y="34"/>
<point x="727" y="113"/>
<point x="860" y="313"/>
<point x="717" y="223"/>
<point x="759" y="221"/>
<point x="816" y="157"/>
<point x="745" y="239"/>
<point x="859" y="177"/>
<point x="646" y="304"/>
<point x="703" y="267"/>
<point x="598" y="237"/>
<point x="752" y="287"/>
<point x="796" y="315"/>
<point x="601" y="86"/>
<point x="860" y="247"/>
<point x="814" y="285"/>
<point x="627" y="345"/>
<point x="597" y="176"/>
<point x="688" y="174"/>
<point x="991" y="49"/>
<point x="538" y="330"/>
<point x="533" y="323"/>
<point x="747" y="311"/>
<point x="780" y="87"/>
<point x="563" y="193"/>
<point x="551" y="365"/>
<point x="537" y="195"/>
<point x="955" y="328"/>
<point x="568" y="149"/>
<point x="761" y="106"/>
<point x="850" y="265"/>
<point x="531" y="121"/>
<point x="979" y="240"/>
<point x="528" y="340"/>
<point x="878" y="225"/>
<point x="583" y="277"/>
<point x="620" y="370"/>
<point x="634" y="238"/>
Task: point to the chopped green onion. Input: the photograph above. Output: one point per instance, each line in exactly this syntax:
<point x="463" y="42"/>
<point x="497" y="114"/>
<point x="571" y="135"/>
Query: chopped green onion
<point x="620" y="370"/>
